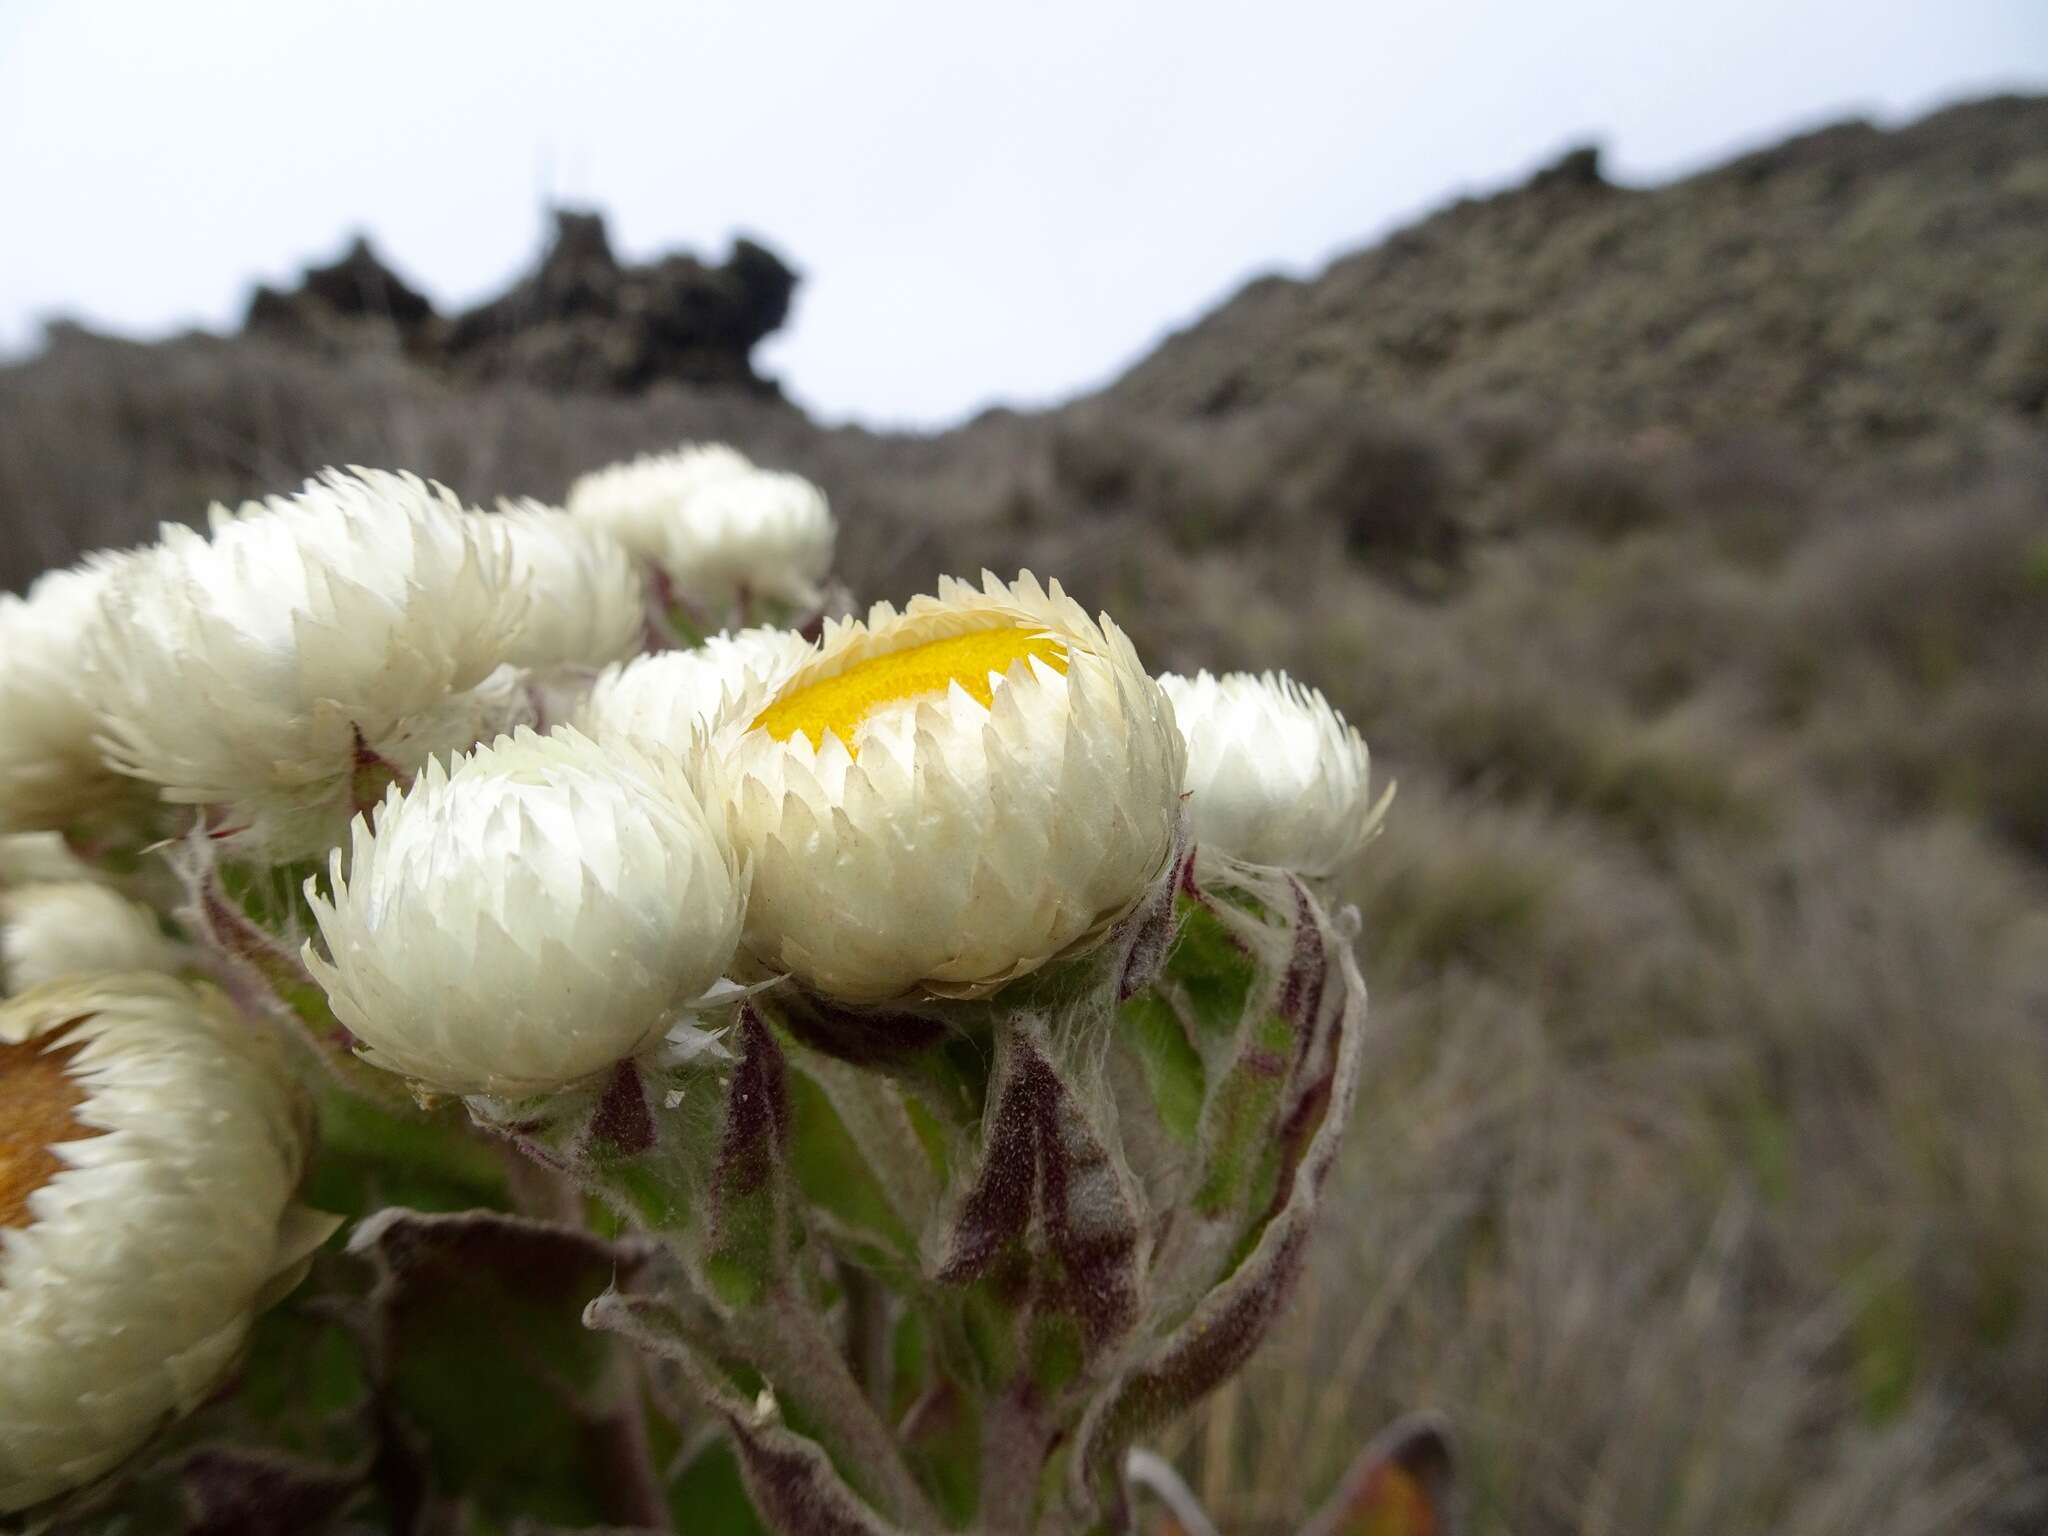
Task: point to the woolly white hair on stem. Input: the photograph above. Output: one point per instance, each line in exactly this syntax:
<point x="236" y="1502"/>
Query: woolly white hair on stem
<point x="51" y="770"/>
<point x="664" y="697"/>
<point x="948" y="797"/>
<point x="1275" y="775"/>
<point x="716" y="525"/>
<point x="259" y="669"/>
<point x="581" y="592"/>
<point x="146" y="1220"/>
<point x="527" y="917"/>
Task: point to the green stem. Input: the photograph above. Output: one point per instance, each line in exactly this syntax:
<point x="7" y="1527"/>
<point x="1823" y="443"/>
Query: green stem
<point x="790" y="1344"/>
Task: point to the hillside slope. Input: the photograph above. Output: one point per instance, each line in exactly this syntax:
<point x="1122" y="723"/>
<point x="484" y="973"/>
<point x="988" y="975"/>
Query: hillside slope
<point x="1860" y="287"/>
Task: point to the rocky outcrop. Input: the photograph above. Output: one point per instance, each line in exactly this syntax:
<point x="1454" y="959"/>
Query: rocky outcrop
<point x="582" y="321"/>
<point x="357" y="301"/>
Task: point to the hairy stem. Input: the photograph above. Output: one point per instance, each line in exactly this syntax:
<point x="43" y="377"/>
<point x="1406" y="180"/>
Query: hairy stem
<point x="1015" y="1441"/>
<point x="791" y="1345"/>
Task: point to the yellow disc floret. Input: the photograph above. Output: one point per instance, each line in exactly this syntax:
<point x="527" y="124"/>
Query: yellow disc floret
<point x="839" y="703"/>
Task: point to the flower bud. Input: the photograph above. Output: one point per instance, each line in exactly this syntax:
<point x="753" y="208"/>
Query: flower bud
<point x="720" y="529"/>
<point x="948" y="797"/>
<point x="1275" y="775"/>
<point x="308" y="651"/>
<point x="661" y="699"/>
<point x="528" y="917"/>
<point x="51" y="772"/>
<point x="578" y="588"/>
<point x="150" y="1142"/>
<point x="76" y="928"/>
<point x="39" y="858"/>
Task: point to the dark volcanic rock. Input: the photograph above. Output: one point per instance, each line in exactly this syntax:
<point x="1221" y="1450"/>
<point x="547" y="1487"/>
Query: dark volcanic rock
<point x="583" y="320"/>
<point x="357" y="300"/>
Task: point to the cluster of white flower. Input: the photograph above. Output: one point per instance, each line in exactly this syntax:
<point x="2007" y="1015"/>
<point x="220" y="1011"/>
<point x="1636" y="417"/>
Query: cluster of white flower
<point x="932" y="801"/>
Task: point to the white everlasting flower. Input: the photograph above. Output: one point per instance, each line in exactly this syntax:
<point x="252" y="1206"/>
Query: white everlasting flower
<point x="661" y="699"/>
<point x="311" y="648"/>
<point x="527" y="918"/>
<point x="40" y="858"/>
<point x="948" y="797"/>
<point x="150" y="1142"/>
<point x="721" y="529"/>
<point x="76" y="928"/>
<point x="584" y="604"/>
<point x="1275" y="775"/>
<point x="51" y="771"/>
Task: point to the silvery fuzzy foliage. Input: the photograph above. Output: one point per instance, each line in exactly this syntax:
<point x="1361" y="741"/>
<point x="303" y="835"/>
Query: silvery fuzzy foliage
<point x="1078" y="1207"/>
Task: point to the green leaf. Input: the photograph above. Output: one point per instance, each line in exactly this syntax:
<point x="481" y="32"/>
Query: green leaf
<point x="1172" y="1067"/>
<point x="835" y="1177"/>
<point x="1211" y="969"/>
<point x="371" y="1156"/>
<point x="480" y="1348"/>
<point x="1237" y="1141"/>
<point x="303" y="1379"/>
<point x="710" y="1496"/>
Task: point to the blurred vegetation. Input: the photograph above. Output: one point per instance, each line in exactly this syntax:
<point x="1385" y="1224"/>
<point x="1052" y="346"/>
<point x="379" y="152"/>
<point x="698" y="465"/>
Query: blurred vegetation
<point x="1684" y="554"/>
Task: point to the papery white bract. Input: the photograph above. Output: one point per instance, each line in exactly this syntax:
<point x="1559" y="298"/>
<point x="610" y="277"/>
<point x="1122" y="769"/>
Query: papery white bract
<point x="144" y="1223"/>
<point x="581" y="593"/>
<point x="39" y="858"/>
<point x="1275" y="775"/>
<point x="721" y="529"/>
<point x="664" y="697"/>
<point x="51" y="771"/>
<point x="76" y="928"/>
<point x="312" y="647"/>
<point x="949" y="797"/>
<point x="528" y="917"/>
<point x="637" y="501"/>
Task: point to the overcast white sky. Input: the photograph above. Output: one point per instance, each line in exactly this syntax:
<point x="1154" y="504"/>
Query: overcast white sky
<point x="990" y="203"/>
